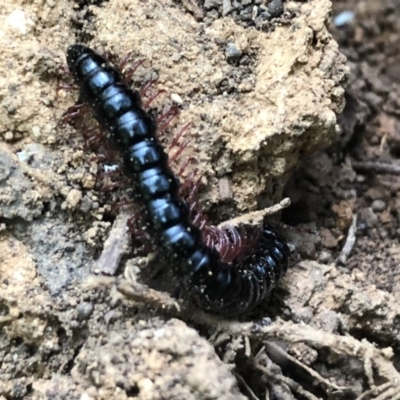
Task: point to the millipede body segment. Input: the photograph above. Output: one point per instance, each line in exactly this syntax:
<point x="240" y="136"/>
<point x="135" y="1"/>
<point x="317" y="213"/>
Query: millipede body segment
<point x="217" y="287"/>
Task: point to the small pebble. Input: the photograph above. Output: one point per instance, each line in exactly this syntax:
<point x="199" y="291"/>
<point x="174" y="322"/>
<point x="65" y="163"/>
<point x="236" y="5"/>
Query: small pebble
<point x="307" y="249"/>
<point x="368" y="219"/>
<point x="254" y="12"/>
<point x="226" y="7"/>
<point x="325" y="257"/>
<point x="265" y="16"/>
<point x="378" y="205"/>
<point x="208" y="4"/>
<point x="329" y="321"/>
<point x="304" y="314"/>
<point x="74" y="197"/>
<point x="176" y="57"/>
<point x="275" y="8"/>
<point x="327" y="239"/>
<point x="373" y="100"/>
<point x="344" y="18"/>
<point x="225" y="188"/>
<point x="84" y="311"/>
<point x="8" y="136"/>
<point x="176" y="99"/>
<point x="111" y="315"/>
<point x="111" y="168"/>
<point x="233" y="53"/>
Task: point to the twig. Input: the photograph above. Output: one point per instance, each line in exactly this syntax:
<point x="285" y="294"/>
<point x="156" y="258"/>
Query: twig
<point x="369" y="373"/>
<point x="350" y="241"/>
<point x="390" y="394"/>
<point x="115" y="247"/>
<point x="244" y="383"/>
<point x="256" y="217"/>
<point x="132" y="289"/>
<point x="341" y="345"/>
<point x="377" y="390"/>
<point x="294" y="386"/>
<point x="320" y="379"/>
<point x="376" y="166"/>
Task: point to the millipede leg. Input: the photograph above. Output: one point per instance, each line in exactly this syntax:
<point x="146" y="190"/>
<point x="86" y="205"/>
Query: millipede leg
<point x="118" y="205"/>
<point x="183" y="167"/>
<point x="88" y="133"/>
<point x="95" y="140"/>
<point x="153" y="97"/>
<point x="194" y="190"/>
<point x="165" y="119"/>
<point x="188" y="184"/>
<point x="178" y="135"/>
<point x="146" y="87"/>
<point x="124" y="61"/>
<point x="131" y="71"/>
<point x="180" y="150"/>
<point x="73" y="112"/>
<point x="67" y="87"/>
<point x="139" y="235"/>
<point x="109" y="187"/>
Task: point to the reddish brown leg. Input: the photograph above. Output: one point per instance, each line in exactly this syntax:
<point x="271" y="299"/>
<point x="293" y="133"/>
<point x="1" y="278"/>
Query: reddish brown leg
<point x="112" y="173"/>
<point x="122" y="63"/>
<point x="93" y="136"/>
<point x="178" y="135"/>
<point x="131" y="71"/>
<point x="183" y="167"/>
<point x="98" y="158"/>
<point x="230" y="242"/>
<point x="110" y="187"/>
<point x="180" y="150"/>
<point x="121" y="182"/>
<point x="95" y="140"/>
<point x="235" y="246"/>
<point x="65" y="70"/>
<point x="194" y="190"/>
<point x="116" y="207"/>
<point x="146" y="87"/>
<point x="207" y="240"/>
<point x="73" y="112"/>
<point x="196" y="219"/>
<point x="165" y="119"/>
<point x="105" y="54"/>
<point x="65" y="86"/>
<point x="221" y="243"/>
<point x="203" y="224"/>
<point x="192" y="207"/>
<point x="66" y="74"/>
<point x="88" y="133"/>
<point x="153" y="97"/>
<point x="188" y="183"/>
<point x="135" y="224"/>
<point x="200" y="220"/>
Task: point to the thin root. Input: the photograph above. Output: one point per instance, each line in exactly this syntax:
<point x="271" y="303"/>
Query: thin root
<point x="256" y="217"/>
<point x="350" y="241"/>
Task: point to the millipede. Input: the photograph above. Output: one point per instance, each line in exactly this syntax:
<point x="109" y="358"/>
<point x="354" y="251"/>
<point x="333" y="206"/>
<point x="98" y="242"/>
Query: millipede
<point x="220" y="287"/>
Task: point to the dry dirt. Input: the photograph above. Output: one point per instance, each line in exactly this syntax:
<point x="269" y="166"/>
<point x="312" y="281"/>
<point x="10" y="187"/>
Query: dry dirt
<point x="261" y="88"/>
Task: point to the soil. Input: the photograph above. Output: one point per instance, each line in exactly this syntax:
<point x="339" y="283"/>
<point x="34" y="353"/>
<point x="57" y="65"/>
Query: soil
<point x="262" y="85"/>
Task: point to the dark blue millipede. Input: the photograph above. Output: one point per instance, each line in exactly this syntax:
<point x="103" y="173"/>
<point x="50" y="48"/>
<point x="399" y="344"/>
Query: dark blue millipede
<point x="217" y="287"/>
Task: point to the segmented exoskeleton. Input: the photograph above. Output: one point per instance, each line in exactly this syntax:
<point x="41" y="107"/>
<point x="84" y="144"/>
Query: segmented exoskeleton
<point x="224" y="288"/>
